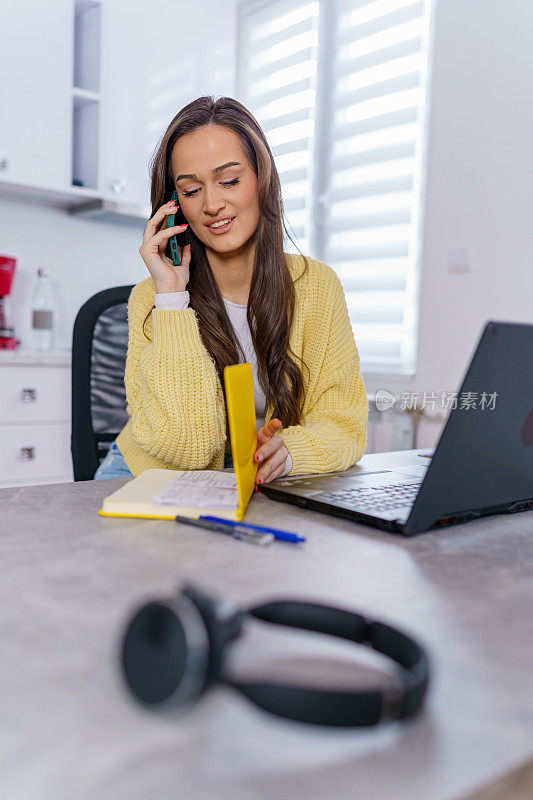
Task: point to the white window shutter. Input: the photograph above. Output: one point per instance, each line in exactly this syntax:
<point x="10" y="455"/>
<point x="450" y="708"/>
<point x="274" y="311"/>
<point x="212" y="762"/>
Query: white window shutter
<point x="278" y="47"/>
<point x="339" y="87"/>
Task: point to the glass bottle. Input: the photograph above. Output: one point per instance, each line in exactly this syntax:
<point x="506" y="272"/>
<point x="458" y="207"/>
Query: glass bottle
<point x="42" y="312"/>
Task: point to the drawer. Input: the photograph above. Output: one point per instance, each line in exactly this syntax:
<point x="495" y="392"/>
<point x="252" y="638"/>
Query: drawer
<point x="34" y="451"/>
<point x="34" y="394"/>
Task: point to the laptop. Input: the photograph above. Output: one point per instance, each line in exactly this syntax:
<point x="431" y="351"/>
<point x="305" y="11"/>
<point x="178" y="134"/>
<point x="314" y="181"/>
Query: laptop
<point x="482" y="464"/>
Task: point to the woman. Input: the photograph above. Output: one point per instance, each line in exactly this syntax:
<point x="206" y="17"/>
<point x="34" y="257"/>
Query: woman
<point x="236" y="297"/>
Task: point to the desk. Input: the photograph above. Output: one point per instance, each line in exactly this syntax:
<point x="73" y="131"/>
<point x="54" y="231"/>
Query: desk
<point x="70" y="580"/>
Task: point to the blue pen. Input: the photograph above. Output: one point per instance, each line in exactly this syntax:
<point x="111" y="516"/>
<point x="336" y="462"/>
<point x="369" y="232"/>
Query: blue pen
<point x="279" y="535"/>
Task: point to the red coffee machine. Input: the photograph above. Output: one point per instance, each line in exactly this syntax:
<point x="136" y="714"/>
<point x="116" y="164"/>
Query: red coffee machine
<point x="7" y="332"/>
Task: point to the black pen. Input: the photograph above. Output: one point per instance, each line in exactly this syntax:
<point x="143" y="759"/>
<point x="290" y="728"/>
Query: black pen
<point x="254" y="537"/>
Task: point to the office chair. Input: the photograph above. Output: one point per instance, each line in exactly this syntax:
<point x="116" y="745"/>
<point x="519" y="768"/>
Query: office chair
<point x="99" y="346"/>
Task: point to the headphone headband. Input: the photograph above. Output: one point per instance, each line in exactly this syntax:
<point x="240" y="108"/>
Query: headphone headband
<point x="334" y="707"/>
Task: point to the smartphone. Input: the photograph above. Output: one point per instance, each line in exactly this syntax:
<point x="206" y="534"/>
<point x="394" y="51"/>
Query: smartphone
<point x="173" y="241"/>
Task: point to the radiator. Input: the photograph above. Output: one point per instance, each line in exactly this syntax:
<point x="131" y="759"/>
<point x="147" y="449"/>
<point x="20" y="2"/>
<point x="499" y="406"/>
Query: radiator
<point x="396" y="428"/>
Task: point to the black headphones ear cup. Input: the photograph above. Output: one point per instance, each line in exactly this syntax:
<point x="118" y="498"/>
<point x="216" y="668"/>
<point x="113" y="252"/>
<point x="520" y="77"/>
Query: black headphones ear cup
<point x="174" y="649"/>
<point x="165" y="653"/>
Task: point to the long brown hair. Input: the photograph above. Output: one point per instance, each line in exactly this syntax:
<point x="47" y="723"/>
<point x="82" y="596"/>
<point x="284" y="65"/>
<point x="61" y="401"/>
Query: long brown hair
<point x="271" y="298"/>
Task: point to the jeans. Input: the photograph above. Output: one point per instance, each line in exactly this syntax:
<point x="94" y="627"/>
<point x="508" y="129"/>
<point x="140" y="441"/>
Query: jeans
<point x="114" y="466"/>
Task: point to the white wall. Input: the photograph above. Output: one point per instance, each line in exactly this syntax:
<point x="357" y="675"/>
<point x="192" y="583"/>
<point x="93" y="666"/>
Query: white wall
<point x="479" y="185"/>
<point x="83" y="256"/>
<point x="479" y="193"/>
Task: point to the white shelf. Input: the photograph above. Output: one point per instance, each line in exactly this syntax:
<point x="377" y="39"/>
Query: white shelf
<point x="82" y="97"/>
<point x="83" y="6"/>
<point x="85" y="143"/>
<point x="24" y="192"/>
<point x="87" y="35"/>
<point x="86" y="93"/>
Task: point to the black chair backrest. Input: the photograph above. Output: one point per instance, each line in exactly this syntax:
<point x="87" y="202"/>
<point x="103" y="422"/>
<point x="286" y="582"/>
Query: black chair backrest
<point x="99" y="347"/>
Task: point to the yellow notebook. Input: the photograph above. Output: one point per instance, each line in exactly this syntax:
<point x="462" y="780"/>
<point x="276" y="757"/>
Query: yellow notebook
<point x="136" y="498"/>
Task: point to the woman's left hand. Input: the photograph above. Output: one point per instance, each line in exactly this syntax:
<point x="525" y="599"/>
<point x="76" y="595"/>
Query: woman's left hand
<point x="271" y="453"/>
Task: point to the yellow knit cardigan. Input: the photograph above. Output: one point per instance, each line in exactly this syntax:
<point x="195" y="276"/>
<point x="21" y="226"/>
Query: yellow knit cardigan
<point x="175" y="399"/>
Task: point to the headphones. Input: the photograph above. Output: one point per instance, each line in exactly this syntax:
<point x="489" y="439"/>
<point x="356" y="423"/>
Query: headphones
<point x="173" y="650"/>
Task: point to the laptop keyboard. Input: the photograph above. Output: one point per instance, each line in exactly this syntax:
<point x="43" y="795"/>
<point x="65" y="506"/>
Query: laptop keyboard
<point x="374" y="499"/>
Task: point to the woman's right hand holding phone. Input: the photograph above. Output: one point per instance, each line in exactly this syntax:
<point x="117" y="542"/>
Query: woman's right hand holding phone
<point x="166" y="276"/>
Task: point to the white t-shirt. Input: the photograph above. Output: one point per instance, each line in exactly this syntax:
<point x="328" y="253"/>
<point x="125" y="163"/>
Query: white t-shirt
<point x="178" y="301"/>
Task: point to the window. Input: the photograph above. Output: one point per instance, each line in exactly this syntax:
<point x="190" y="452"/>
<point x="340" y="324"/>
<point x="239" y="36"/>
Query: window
<point x="339" y="87"/>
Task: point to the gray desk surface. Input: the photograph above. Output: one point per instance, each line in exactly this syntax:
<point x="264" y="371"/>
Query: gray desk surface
<point x="70" y="579"/>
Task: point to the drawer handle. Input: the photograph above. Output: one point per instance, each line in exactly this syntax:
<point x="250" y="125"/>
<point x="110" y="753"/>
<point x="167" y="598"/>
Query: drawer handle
<point x="28" y="395"/>
<point x="27" y="453"/>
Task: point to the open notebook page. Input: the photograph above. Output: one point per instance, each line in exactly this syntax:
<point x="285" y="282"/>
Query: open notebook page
<point x="205" y="488"/>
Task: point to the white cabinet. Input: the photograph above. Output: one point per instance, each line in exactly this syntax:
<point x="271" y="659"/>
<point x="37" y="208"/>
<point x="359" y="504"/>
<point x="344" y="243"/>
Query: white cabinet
<point x="88" y="88"/>
<point x="35" y="86"/>
<point x="158" y="56"/>
<point x="50" y="63"/>
<point x="129" y="100"/>
<point x="34" y="419"/>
